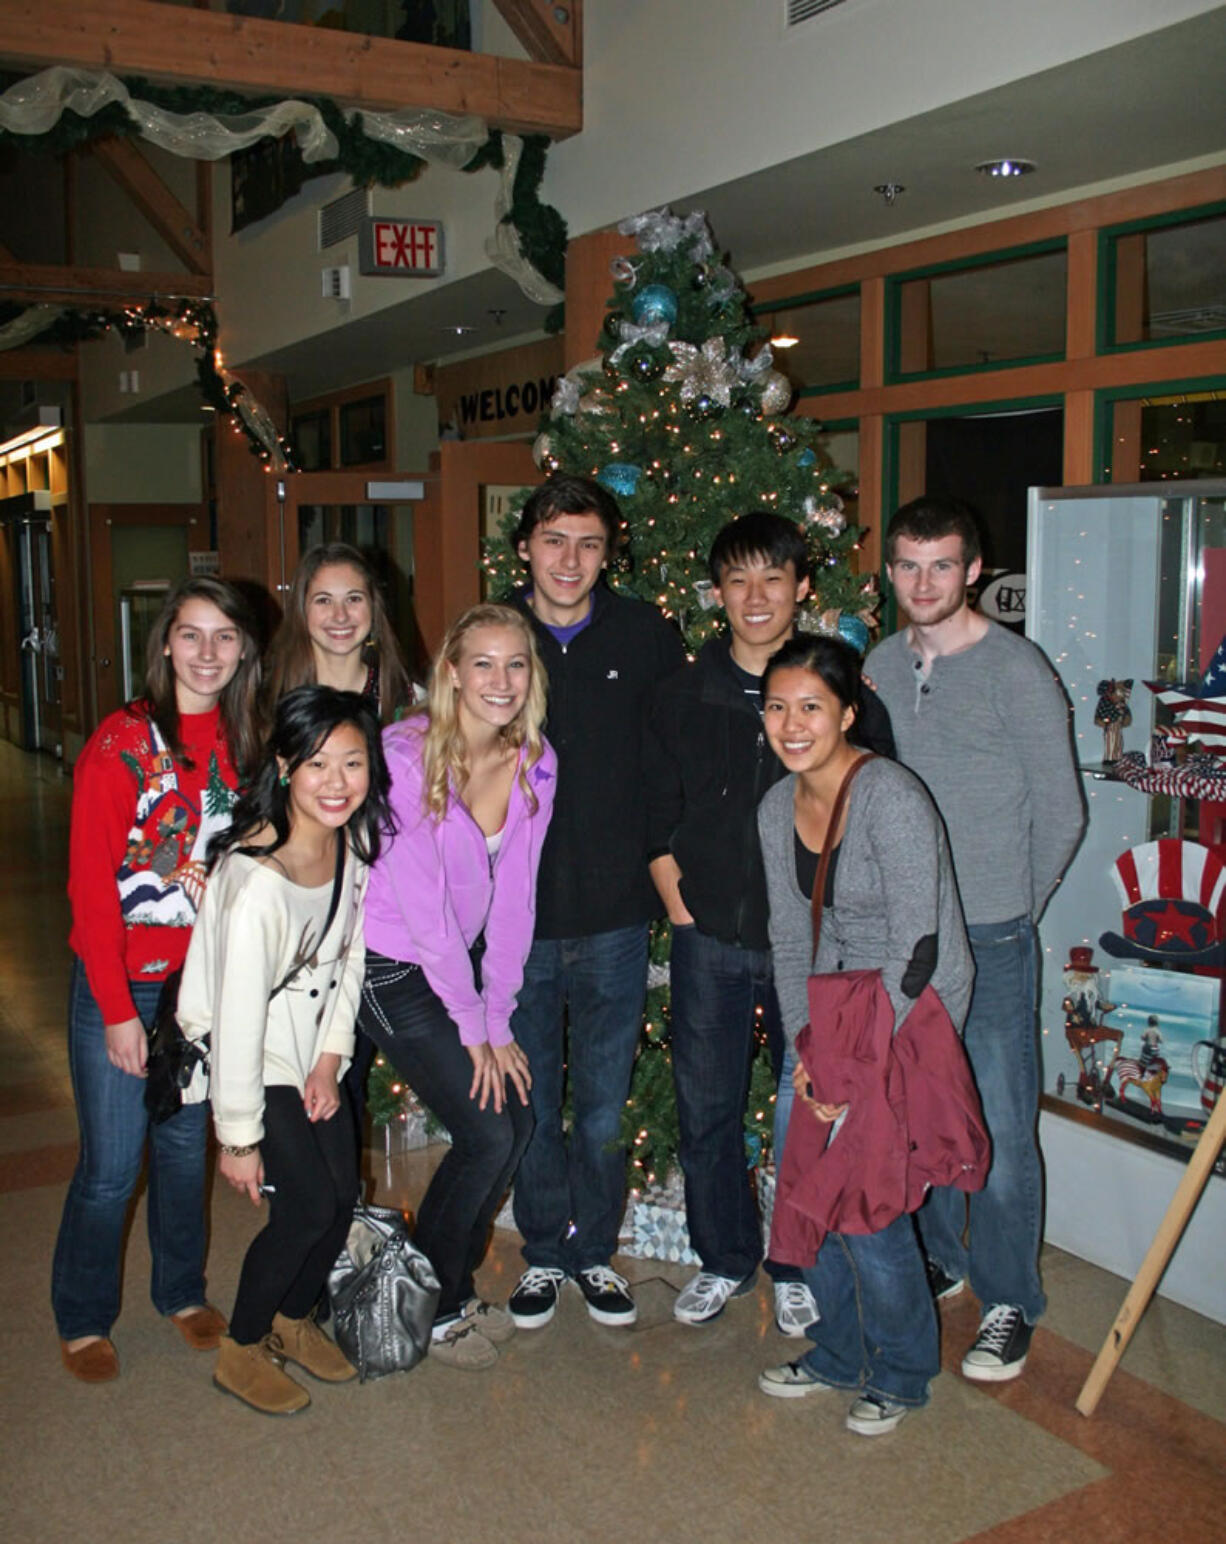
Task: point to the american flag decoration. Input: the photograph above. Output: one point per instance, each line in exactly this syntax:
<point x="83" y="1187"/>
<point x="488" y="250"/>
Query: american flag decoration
<point x="1170" y="892"/>
<point x="1200" y="706"/>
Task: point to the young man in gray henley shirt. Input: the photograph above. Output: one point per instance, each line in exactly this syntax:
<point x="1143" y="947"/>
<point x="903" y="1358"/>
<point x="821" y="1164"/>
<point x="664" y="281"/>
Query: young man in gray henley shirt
<point x="980" y="715"/>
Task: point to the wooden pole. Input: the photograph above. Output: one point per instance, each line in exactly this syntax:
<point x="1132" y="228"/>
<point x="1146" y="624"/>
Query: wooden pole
<point x="1160" y="1251"/>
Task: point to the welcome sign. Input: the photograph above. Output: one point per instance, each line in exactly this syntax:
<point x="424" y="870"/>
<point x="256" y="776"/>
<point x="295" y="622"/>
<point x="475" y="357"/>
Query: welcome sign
<point x="501" y="394"/>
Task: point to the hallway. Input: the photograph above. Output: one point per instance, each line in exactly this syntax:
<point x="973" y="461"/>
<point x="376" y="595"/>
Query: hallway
<point x="656" y="1434"/>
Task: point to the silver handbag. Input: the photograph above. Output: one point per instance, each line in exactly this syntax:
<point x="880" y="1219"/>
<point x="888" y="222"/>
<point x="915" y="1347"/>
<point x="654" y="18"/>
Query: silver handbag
<point x="384" y="1295"/>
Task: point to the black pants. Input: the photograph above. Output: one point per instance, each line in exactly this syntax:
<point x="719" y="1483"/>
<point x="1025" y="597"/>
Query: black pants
<point x="312" y="1166"/>
<point x="406" y="1019"/>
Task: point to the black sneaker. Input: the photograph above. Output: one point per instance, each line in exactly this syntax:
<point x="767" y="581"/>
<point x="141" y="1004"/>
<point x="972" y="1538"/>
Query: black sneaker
<point x="535" y="1298"/>
<point x="1000" y="1348"/>
<point x="941" y="1285"/>
<point x="608" y="1296"/>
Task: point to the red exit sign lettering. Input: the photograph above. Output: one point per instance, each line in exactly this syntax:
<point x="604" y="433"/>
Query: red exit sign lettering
<point x="400" y="248"/>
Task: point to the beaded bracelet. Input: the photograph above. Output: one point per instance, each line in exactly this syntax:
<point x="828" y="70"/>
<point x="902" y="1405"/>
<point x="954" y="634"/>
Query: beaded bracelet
<point x="239" y="1152"/>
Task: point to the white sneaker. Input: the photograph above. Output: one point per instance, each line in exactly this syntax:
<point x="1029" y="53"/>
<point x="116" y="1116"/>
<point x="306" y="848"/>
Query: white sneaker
<point x="795" y="1309"/>
<point x="704" y="1296"/>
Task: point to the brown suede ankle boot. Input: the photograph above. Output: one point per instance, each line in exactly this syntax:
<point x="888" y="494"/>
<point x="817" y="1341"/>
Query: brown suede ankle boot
<point x="302" y="1341"/>
<point x="253" y="1374"/>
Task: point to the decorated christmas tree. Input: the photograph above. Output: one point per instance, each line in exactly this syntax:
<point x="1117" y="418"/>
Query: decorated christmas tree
<point x="682" y="416"/>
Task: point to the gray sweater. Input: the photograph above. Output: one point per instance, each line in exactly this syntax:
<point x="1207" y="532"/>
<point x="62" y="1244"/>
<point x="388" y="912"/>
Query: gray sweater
<point x="894" y="886"/>
<point x="988" y="732"/>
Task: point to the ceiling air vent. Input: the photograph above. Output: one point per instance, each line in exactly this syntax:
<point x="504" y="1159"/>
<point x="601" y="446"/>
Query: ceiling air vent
<point x="805" y="10"/>
<point x="340" y="219"/>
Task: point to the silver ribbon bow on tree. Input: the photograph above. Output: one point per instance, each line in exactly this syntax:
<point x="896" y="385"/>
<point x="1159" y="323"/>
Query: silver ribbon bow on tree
<point x="631" y="333"/>
<point x="659" y="230"/>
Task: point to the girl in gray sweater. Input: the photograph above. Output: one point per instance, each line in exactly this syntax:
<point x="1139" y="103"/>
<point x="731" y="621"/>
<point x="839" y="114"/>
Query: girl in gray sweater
<point x="891" y="904"/>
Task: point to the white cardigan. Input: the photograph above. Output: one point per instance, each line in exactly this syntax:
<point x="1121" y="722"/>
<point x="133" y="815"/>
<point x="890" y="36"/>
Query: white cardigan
<point x="254" y="926"/>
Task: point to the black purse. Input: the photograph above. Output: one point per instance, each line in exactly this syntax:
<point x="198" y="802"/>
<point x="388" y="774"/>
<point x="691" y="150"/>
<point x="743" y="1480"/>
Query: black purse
<point x="172" y="1059"/>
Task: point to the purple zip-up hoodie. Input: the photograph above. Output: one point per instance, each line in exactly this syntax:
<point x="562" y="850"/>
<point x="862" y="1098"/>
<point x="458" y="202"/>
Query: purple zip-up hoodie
<point x="434" y="890"/>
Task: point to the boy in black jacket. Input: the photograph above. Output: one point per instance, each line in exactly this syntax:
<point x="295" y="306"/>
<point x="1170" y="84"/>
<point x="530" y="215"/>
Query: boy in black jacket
<point x="714" y="766"/>
<point x="580" y="1010"/>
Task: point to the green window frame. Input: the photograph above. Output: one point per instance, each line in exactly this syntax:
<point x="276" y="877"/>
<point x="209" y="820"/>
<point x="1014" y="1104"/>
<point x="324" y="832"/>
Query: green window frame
<point x="1106" y="398"/>
<point x="893" y="312"/>
<point x="1108" y="279"/>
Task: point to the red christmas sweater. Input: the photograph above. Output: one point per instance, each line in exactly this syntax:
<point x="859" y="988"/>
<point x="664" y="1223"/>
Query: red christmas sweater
<point x="141" y="825"/>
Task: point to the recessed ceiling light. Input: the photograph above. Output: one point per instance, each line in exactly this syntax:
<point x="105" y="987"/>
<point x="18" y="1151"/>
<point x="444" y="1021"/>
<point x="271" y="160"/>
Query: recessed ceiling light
<point x="457" y="329"/>
<point x="1006" y="166"/>
<point x="784" y="340"/>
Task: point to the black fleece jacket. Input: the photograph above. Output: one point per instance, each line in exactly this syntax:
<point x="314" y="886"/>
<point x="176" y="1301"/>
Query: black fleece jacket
<point x="709" y="768"/>
<point x="593" y="876"/>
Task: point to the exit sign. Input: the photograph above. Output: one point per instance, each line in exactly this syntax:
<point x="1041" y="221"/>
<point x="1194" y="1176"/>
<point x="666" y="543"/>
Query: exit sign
<point x="400" y="248"/>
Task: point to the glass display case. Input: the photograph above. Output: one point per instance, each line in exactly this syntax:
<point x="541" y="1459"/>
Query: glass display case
<point x="1128" y="586"/>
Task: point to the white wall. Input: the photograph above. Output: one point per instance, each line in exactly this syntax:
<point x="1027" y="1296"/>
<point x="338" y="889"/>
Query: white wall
<point x="1106" y="1200"/>
<point x="142" y="463"/>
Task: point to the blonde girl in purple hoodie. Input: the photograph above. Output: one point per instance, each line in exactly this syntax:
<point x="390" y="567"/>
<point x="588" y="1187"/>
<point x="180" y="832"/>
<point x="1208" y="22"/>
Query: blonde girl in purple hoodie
<point x="449" y="920"/>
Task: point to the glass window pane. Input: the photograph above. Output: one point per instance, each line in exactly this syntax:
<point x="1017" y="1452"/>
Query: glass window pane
<point x="1170" y="282"/>
<point x="827" y="348"/>
<point x="1173" y="438"/>
<point x="980" y="316"/>
<point x="363" y="432"/>
<point x="312" y="440"/>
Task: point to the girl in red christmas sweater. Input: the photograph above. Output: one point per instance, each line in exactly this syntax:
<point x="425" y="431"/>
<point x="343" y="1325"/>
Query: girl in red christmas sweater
<point x="154" y="783"/>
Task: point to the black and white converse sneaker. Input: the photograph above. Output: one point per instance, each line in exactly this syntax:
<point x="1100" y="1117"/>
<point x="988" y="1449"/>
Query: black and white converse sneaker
<point x="1000" y="1348"/>
<point x="535" y="1298"/>
<point x="608" y="1296"/>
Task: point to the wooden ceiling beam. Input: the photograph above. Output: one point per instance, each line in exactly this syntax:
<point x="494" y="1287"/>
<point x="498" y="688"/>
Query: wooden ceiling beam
<point x="57" y="285"/>
<point x="551" y="33"/>
<point x="37" y="364"/>
<point x="132" y="170"/>
<point x="186" y="46"/>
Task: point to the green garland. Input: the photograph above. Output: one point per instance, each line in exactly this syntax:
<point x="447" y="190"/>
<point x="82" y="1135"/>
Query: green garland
<point x="193" y="322"/>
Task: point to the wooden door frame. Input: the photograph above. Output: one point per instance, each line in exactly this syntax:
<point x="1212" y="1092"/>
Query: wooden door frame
<point x="447" y="536"/>
<point x="102" y="520"/>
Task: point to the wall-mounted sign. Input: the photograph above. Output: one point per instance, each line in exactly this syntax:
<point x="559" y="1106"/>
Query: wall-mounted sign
<point x="499" y="394"/>
<point x="400" y="248"/>
<point x="203" y="563"/>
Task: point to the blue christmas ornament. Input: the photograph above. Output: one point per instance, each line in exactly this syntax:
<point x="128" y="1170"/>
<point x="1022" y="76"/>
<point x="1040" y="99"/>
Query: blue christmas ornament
<point x="620" y="478"/>
<point x="854" y="630"/>
<point x="807" y="457"/>
<point x="654" y="303"/>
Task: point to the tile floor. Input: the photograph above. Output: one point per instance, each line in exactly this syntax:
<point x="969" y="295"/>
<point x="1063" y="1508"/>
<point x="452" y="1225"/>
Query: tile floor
<point x="656" y="1434"/>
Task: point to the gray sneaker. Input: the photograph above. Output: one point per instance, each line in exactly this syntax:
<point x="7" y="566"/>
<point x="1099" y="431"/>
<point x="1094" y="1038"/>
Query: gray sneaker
<point x="791" y="1380"/>
<point x="873" y="1416"/>
<point x="463" y="1345"/>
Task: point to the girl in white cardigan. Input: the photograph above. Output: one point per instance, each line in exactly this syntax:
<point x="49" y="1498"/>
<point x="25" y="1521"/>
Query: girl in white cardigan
<point x="273" y="975"/>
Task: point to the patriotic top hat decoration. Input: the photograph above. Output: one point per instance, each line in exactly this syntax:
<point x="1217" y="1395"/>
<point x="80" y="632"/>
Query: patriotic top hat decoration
<point x="1170" y="891"/>
<point x="1200" y="706"/>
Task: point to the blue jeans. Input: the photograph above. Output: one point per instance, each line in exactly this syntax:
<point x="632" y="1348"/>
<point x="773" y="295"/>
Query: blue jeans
<point x="716" y="988"/>
<point x="571" y="1187"/>
<point x="114" y="1128"/>
<point x="878" y="1327"/>
<point x="1006" y="1216"/>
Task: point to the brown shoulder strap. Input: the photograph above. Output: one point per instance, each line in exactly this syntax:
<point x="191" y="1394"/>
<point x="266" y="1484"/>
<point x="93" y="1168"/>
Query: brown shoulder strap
<point x="828" y="846"/>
